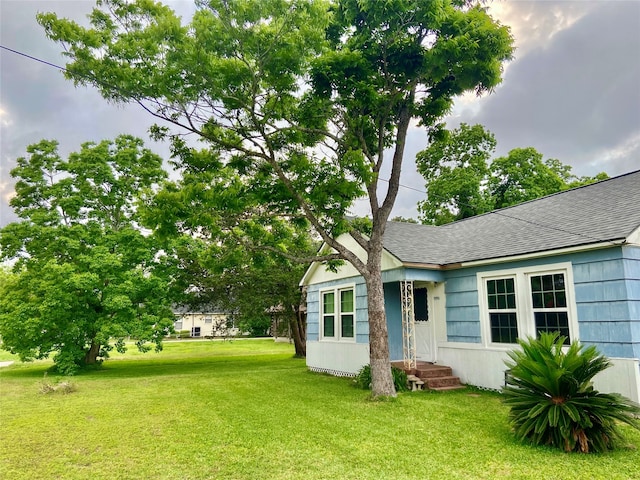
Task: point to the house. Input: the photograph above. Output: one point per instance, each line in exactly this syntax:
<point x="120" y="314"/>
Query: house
<point x="203" y="322"/>
<point x="461" y="294"/>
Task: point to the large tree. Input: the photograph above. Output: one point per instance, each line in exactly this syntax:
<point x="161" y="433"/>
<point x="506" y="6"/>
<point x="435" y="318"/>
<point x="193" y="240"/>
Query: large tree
<point x="254" y="286"/>
<point x="304" y="101"/>
<point x="84" y="273"/>
<point x="462" y="179"/>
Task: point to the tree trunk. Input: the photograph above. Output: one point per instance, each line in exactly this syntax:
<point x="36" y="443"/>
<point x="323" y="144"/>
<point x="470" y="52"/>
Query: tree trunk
<point x="298" y="332"/>
<point x="381" y="378"/>
<point x="91" y="357"/>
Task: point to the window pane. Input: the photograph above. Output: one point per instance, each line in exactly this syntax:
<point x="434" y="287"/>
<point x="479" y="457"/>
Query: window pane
<point x="493" y="302"/>
<point x="502" y="302"/>
<point x="329" y="326"/>
<point x="504" y="327"/>
<point x="491" y="287"/>
<point x="346" y="301"/>
<point x="558" y="281"/>
<point x="536" y="284"/>
<point x="347" y="326"/>
<point x="537" y="300"/>
<point x="549" y="300"/>
<point x="501" y="286"/>
<point x="561" y="299"/>
<point x="420" y="307"/>
<point x="553" y="322"/>
<point x="509" y="285"/>
<point x="329" y="302"/>
<point x="547" y="282"/>
<point x="511" y="300"/>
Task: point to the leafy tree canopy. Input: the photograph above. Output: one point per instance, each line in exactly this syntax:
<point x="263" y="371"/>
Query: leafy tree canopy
<point x="85" y="272"/>
<point x="300" y="103"/>
<point x="463" y="181"/>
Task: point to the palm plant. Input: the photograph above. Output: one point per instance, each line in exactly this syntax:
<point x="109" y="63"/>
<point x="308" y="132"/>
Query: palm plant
<point x="552" y="400"/>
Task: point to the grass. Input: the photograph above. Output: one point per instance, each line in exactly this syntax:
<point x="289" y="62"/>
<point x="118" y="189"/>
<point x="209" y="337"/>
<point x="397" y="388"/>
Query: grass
<point x="248" y="410"/>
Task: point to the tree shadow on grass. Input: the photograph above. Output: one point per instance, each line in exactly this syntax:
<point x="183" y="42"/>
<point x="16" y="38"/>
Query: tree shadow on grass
<point x="126" y="368"/>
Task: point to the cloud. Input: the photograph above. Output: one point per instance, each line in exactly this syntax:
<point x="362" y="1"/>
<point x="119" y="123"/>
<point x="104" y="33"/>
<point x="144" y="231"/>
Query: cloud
<point x="571" y="92"/>
<point x="575" y="97"/>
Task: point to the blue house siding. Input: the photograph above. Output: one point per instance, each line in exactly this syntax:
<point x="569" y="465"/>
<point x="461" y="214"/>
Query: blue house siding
<point x="463" y="311"/>
<point x="393" y="309"/>
<point x="313" y="308"/>
<point x="607" y="291"/>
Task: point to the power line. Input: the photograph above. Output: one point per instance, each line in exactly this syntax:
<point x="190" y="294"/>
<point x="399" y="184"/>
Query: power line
<point x="512" y="217"/>
<point x="139" y="101"/>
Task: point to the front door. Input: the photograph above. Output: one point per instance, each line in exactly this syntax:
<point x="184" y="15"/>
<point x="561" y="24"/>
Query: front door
<point x="424" y="326"/>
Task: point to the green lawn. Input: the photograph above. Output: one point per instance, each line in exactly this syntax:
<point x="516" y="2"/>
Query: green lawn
<point x="247" y="410"/>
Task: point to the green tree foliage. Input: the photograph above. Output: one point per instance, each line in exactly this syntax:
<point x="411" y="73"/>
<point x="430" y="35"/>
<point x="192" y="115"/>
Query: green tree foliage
<point x="456" y="169"/>
<point x="462" y="181"/>
<point x="254" y="286"/>
<point x="552" y="400"/>
<point x="300" y="102"/>
<point x="85" y="273"/>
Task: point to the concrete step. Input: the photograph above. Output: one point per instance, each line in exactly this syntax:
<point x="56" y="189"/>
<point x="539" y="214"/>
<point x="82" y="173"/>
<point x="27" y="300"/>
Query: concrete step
<point x="433" y="371"/>
<point x="450" y="387"/>
<point x="439" y="382"/>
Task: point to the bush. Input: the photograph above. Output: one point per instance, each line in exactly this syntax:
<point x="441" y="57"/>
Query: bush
<point x="363" y="378"/>
<point x="552" y="400"/>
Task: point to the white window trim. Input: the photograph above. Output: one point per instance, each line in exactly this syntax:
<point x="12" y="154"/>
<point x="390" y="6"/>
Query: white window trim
<point x="338" y="314"/>
<point x="524" y="302"/>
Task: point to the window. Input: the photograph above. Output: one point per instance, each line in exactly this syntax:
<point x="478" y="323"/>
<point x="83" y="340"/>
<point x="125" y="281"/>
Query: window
<point x="338" y="314"/>
<point x="177" y="325"/>
<point x="503" y="317"/>
<point x="525" y="302"/>
<point x="549" y="300"/>
<point x="195" y="332"/>
<point x="208" y="320"/>
<point x="420" y="304"/>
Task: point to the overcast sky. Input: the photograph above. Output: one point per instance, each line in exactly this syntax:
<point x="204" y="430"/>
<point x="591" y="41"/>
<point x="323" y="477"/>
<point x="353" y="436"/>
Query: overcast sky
<point x="572" y="91"/>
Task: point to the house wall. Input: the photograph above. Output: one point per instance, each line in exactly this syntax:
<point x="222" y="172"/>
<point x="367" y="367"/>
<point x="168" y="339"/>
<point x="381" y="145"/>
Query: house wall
<point x="607" y="296"/>
<point x="393" y="309"/>
<point x="337" y="357"/>
<point x="211" y="324"/>
<point x="607" y="285"/>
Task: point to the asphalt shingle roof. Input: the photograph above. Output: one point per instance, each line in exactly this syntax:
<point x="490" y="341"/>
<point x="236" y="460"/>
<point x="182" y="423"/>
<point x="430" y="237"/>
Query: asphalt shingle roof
<point x="605" y="211"/>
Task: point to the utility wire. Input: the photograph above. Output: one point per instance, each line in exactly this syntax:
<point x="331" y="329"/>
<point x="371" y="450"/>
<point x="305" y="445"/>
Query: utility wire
<point x="139" y="101"/>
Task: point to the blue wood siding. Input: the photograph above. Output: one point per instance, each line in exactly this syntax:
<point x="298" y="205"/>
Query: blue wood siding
<point x="313" y="308"/>
<point x="606" y="288"/>
<point x="607" y="285"/>
<point x="463" y="312"/>
<point x="607" y="293"/>
<point x="393" y="309"/>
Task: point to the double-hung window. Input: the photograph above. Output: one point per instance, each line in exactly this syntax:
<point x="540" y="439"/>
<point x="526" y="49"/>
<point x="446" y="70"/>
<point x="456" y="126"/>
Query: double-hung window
<point x="503" y="316"/>
<point x="338" y="314"/>
<point x="525" y="302"/>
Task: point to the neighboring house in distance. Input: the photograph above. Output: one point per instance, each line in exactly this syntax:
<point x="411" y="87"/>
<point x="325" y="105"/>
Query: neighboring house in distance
<point x="461" y="294"/>
<point x="206" y="323"/>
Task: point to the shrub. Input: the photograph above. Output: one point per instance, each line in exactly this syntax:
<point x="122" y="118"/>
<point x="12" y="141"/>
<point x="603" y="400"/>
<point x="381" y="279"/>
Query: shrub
<point x="552" y="400"/>
<point x="363" y="378"/>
